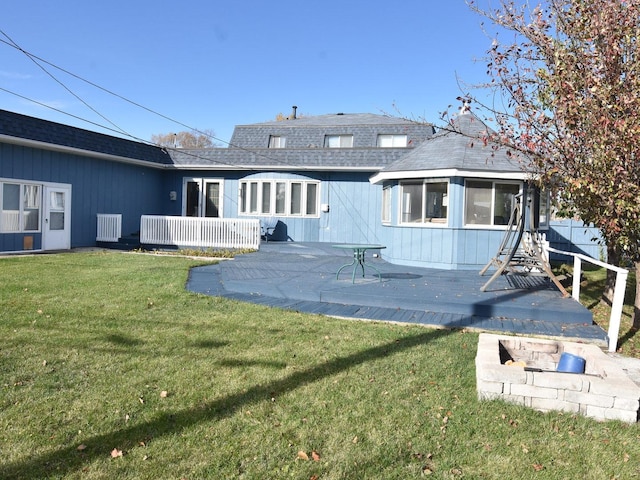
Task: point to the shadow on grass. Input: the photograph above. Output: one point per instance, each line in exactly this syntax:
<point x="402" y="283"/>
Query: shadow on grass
<point x="124" y="341"/>
<point x="69" y="459"/>
<point x="251" y="363"/>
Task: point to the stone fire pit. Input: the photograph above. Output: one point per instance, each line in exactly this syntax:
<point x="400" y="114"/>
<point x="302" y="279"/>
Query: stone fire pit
<point x="603" y="392"/>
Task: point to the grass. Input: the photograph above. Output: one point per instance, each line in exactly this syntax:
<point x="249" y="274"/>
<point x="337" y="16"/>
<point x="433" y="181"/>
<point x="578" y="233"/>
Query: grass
<point x="110" y="369"/>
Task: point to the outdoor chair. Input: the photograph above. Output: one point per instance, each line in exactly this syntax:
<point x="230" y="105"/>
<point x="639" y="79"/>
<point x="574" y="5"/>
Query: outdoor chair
<point x="267" y="227"/>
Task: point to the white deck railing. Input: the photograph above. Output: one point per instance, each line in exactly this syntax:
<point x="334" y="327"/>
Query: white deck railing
<point x="109" y="227"/>
<point x="200" y="232"/>
<point x="618" y="292"/>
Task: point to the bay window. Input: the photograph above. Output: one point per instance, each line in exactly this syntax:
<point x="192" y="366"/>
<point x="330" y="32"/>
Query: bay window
<point x="279" y="198"/>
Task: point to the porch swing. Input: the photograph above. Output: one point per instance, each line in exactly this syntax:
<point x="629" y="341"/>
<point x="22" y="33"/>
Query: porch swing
<point x="521" y="251"/>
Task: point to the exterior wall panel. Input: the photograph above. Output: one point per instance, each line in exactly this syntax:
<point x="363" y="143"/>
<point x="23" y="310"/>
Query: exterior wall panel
<point x="98" y="186"/>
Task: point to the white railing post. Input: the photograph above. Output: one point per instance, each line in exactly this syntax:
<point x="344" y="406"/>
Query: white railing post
<point x="577" y="273"/>
<point x="616" y="309"/>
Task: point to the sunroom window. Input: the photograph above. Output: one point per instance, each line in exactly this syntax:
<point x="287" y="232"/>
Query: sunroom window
<point x="338" y="141"/>
<point x="392" y="141"/>
<point x="489" y="202"/>
<point x="425" y="202"/>
<point x="279" y="198"/>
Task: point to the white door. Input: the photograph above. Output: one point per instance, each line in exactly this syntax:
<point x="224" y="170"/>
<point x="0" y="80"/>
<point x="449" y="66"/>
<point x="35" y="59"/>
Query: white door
<point x="56" y="228"/>
<point x="202" y="197"/>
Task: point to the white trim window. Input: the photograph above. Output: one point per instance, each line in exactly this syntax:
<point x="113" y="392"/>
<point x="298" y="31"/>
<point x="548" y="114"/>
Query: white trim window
<point x="20" y="207"/>
<point x="202" y="197"/>
<point x="489" y="203"/>
<point x="287" y="198"/>
<point x="392" y="141"/>
<point x="276" y="141"/>
<point x="338" y="141"/>
<point x="424" y="202"/>
<point x="386" y="204"/>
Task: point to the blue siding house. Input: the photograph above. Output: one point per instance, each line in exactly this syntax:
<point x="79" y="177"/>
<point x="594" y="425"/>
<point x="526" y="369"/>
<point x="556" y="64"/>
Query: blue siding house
<point x="433" y="199"/>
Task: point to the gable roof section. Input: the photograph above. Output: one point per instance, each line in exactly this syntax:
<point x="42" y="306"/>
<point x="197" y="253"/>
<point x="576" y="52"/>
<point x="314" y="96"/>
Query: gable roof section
<point x="30" y="131"/>
<point x="460" y="151"/>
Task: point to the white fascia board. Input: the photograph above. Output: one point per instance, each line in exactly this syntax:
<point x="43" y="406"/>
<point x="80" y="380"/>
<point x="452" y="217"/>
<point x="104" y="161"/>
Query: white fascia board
<point x="447" y="172"/>
<point x="77" y="151"/>
<point x="271" y="168"/>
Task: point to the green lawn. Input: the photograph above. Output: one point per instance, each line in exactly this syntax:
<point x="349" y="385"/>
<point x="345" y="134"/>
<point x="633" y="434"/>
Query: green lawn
<point x="110" y="369"/>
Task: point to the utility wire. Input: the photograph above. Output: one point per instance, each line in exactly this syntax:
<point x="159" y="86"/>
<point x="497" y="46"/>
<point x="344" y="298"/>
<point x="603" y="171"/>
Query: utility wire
<point x="34" y="58"/>
<point x="35" y="61"/>
<point x="110" y="92"/>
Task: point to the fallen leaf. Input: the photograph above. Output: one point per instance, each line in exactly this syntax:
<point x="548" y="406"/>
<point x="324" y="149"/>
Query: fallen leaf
<point x="315" y="455"/>
<point x="537" y="467"/>
<point x="81" y="447"/>
<point x="303" y="455"/>
<point x="115" y="453"/>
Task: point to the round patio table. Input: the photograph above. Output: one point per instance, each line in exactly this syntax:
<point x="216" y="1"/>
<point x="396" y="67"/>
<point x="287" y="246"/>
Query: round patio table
<point x="358" y="258"/>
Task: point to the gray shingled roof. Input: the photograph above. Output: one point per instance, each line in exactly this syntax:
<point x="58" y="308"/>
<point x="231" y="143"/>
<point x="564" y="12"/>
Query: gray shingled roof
<point x="304" y="144"/>
<point x="309" y="132"/>
<point x="354" y="159"/>
<point x="460" y="148"/>
<point x="38" y="130"/>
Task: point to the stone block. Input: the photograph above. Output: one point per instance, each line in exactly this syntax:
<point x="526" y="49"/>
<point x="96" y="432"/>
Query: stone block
<point x="604" y="401"/>
<point x="622" y="387"/>
<point x="600" y="413"/>
<point x="626" y="404"/>
<point x="515" y="399"/>
<point x="490" y="387"/>
<point x="534" y="392"/>
<point x="565" y="381"/>
<point x="547" y="404"/>
<point x="500" y="373"/>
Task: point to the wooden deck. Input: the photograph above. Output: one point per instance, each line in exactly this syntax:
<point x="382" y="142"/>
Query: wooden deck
<point x="302" y="277"/>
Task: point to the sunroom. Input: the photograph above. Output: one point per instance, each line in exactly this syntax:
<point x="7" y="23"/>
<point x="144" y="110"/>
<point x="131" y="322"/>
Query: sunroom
<point x="447" y="204"/>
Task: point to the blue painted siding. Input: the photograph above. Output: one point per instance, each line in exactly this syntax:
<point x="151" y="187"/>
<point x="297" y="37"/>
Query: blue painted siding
<point x="573" y="236"/>
<point x="98" y="186"/>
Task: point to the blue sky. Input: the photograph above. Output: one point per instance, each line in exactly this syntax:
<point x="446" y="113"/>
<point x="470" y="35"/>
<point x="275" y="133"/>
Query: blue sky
<point x="212" y="65"/>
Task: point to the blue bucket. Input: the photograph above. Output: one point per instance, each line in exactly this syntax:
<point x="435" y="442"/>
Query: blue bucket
<point x="570" y="363"/>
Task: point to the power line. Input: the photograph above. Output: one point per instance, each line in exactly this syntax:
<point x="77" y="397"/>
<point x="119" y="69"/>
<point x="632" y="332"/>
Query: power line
<point x="34" y="58"/>
<point x="106" y="90"/>
<point x="35" y="61"/>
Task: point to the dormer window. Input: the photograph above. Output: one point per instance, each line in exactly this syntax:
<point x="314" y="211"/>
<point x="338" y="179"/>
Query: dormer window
<point x="276" y="141"/>
<point x="392" y="141"/>
<point x="338" y="141"/>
